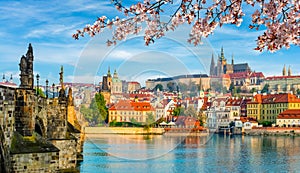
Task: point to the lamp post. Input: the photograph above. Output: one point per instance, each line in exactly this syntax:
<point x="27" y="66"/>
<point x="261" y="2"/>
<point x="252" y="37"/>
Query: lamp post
<point x="57" y="90"/>
<point x="47" y="82"/>
<point x="53" y="87"/>
<point x="37" y="81"/>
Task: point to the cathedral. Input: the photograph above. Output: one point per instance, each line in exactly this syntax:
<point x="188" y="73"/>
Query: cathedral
<point x="222" y="67"/>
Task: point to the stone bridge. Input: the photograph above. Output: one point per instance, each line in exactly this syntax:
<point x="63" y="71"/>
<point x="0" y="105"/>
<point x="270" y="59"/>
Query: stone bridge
<point x="37" y="134"/>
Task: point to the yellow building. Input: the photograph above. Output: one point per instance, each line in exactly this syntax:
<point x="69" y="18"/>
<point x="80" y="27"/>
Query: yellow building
<point x="126" y="111"/>
<point x="267" y="107"/>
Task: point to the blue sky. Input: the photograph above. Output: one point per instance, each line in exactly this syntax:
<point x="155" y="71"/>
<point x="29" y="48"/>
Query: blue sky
<point x="49" y="25"/>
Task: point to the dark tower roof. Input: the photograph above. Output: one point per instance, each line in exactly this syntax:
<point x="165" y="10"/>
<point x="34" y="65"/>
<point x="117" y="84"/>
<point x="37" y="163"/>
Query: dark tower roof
<point x="212" y="66"/>
<point x="222" y="54"/>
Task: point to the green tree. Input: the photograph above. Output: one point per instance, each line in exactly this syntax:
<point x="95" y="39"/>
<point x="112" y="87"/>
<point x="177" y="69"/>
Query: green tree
<point x="101" y="105"/>
<point x="231" y="87"/>
<point x="298" y="91"/>
<point x="171" y="86"/>
<point x="40" y="92"/>
<point x="265" y="89"/>
<point x="238" y="90"/>
<point x="182" y="86"/>
<point x="266" y="123"/>
<point x="89" y="115"/>
<point x="178" y="111"/>
<point x="150" y="121"/>
<point x="253" y="90"/>
<point x="97" y="112"/>
<point x="191" y="111"/>
<point x="159" y="86"/>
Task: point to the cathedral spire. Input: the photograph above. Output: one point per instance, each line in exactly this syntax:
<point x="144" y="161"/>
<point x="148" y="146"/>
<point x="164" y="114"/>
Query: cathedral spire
<point x="108" y="72"/>
<point x="222" y="53"/>
<point x="284" y="71"/>
<point x="289" y="71"/>
<point x="212" y="66"/>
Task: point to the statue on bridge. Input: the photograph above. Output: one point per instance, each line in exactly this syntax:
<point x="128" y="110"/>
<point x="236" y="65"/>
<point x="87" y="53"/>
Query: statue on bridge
<point x="26" y="69"/>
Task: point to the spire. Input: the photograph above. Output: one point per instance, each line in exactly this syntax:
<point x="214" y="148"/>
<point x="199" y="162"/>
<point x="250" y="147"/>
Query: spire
<point x="115" y="74"/>
<point x="289" y="71"/>
<point x="3" y="78"/>
<point x="108" y="72"/>
<point x="11" y="79"/>
<point x="222" y="53"/>
<point x="212" y="66"/>
<point x="232" y="60"/>
<point x="284" y="71"/>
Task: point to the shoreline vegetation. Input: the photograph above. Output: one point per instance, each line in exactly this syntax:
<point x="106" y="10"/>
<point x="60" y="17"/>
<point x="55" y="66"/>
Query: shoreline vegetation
<point x="256" y="131"/>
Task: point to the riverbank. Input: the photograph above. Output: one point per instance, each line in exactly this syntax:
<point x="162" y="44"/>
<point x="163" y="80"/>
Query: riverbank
<point x="273" y="131"/>
<point x="92" y="131"/>
<point x="124" y="130"/>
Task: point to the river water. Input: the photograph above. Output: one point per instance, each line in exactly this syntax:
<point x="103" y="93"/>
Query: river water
<point x="215" y="153"/>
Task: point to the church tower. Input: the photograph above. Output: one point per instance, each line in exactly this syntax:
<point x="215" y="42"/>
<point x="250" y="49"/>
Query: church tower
<point x="109" y="79"/>
<point x="212" y="66"/>
<point x="289" y="71"/>
<point x="284" y="71"/>
<point x="222" y="57"/>
<point x="116" y="86"/>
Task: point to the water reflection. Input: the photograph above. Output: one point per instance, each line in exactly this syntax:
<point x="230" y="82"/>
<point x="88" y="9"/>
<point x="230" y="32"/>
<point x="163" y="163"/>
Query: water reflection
<point x="117" y="153"/>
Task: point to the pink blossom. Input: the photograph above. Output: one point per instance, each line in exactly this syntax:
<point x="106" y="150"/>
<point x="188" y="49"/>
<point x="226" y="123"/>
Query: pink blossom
<point x="281" y="18"/>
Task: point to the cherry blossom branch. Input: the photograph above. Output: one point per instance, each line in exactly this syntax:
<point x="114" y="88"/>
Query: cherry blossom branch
<point x="280" y="17"/>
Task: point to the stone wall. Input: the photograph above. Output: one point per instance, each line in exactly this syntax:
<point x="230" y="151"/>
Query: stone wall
<point x="26" y="108"/>
<point x="67" y="153"/>
<point x="35" y="162"/>
<point x="280" y="131"/>
<point x="21" y="112"/>
<point x="56" y="120"/>
<point x="7" y="121"/>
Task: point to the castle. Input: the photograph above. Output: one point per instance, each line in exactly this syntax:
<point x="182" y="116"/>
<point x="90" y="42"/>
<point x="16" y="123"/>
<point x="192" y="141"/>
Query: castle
<point x="222" y="67"/>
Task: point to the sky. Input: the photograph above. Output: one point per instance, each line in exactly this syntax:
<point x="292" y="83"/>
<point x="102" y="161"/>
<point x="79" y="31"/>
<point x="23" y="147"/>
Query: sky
<point x="49" y="26"/>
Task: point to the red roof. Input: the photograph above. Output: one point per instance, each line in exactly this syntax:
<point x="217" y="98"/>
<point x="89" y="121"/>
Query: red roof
<point x="275" y="98"/>
<point x="129" y="105"/>
<point x="257" y="74"/>
<point x="226" y="76"/>
<point x="8" y="84"/>
<point x="248" y="119"/>
<point x="134" y="83"/>
<point x="289" y="114"/>
<point x="239" y="75"/>
<point x="281" y="77"/>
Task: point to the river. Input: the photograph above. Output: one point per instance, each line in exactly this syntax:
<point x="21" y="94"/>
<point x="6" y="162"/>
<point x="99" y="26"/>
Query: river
<point x="215" y="153"/>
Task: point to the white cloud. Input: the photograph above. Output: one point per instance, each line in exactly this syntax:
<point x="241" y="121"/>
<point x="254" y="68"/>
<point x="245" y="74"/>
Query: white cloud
<point x="88" y="78"/>
<point x="121" y="54"/>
